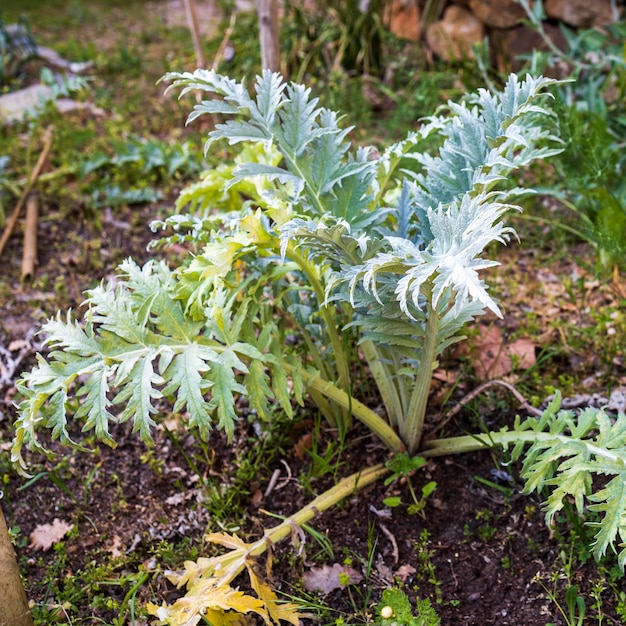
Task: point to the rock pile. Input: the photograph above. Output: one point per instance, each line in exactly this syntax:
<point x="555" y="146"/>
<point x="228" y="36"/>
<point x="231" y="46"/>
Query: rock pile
<point x="463" y="23"/>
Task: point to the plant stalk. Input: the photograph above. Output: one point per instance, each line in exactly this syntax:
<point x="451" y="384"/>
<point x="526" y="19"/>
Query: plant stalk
<point x="364" y="414"/>
<point x="384" y="383"/>
<point x="472" y="443"/>
<point x="343" y="371"/>
<point x="411" y="428"/>
<point x="233" y="563"/>
<point x="358" y="410"/>
<point x="329" y="498"/>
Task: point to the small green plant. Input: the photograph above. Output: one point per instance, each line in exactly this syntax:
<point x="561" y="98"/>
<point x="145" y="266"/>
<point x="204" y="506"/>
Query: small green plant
<point x="575" y="604"/>
<point x="346" y="37"/>
<point x="401" y="466"/>
<point x="395" y="609"/>
<point x="338" y="255"/>
<point x="426" y="570"/>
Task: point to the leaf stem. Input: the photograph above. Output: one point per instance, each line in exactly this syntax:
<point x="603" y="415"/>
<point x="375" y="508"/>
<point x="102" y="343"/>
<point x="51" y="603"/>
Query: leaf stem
<point x="329" y="498"/>
<point x="411" y="428"/>
<point x="358" y="410"/>
<point x="343" y="371"/>
<point x="384" y="382"/>
<point x="471" y="443"/>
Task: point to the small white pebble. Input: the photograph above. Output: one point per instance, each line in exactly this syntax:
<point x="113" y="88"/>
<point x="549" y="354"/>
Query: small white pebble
<point x="386" y="612"/>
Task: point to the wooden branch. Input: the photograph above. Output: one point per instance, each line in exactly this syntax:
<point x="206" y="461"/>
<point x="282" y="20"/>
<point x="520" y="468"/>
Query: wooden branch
<point x="523" y="403"/>
<point x="219" y="55"/>
<point x="10" y="225"/>
<point x="268" y="33"/>
<point x="192" y="19"/>
<point x="29" y="255"/>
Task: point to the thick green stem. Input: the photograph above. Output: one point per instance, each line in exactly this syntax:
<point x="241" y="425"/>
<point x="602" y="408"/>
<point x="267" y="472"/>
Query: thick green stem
<point x="411" y="428"/>
<point x="471" y="443"/>
<point x="384" y="382"/>
<point x="343" y="371"/>
<point x="228" y="566"/>
<point x="364" y="414"/>
<point x="357" y="409"/>
<point x="341" y="490"/>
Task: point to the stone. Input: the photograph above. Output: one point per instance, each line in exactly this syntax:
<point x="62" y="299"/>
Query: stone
<point x="18" y="105"/>
<point x="510" y="46"/>
<point x="580" y="13"/>
<point x="404" y="19"/>
<point x="452" y="37"/>
<point x="497" y="13"/>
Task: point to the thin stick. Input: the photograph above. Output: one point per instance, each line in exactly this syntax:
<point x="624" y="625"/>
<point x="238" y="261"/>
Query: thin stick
<point x="192" y="19"/>
<point x="29" y="256"/>
<point x="269" y="36"/>
<point x="227" y="35"/>
<point x="10" y="225"/>
<point x="490" y="383"/>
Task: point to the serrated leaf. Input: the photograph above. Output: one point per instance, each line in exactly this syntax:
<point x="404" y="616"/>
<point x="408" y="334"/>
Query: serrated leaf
<point x="139" y="394"/>
<point x="610" y="502"/>
<point x="568" y="462"/>
<point x="184" y="376"/>
<point x="249" y="170"/>
<point x="256" y="385"/>
<point x="96" y="404"/>
<point x="224" y="386"/>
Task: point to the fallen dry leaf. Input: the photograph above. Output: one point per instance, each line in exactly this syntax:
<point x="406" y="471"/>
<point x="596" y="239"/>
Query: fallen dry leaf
<point x="114" y="548"/>
<point x="327" y="579"/>
<point x="46" y="535"/>
<point x="303" y="446"/>
<point x="384" y="572"/>
<point x="404" y="572"/>
<point x="495" y="358"/>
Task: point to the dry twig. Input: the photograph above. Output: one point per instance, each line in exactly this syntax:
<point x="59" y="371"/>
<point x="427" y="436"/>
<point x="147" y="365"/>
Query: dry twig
<point x="523" y="403"/>
<point x="29" y="255"/>
<point x="10" y="225"/>
<point x="192" y="19"/>
<point x="219" y="55"/>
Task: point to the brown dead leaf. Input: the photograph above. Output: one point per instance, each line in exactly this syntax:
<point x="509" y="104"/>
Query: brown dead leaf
<point x="524" y="350"/>
<point x="384" y="572"/>
<point x="257" y="499"/>
<point x="404" y="572"/>
<point x="115" y="549"/>
<point x="495" y="358"/>
<point x="327" y="579"/>
<point x="46" y="535"/>
<point x="303" y="445"/>
<point x="445" y="375"/>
